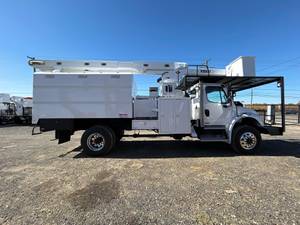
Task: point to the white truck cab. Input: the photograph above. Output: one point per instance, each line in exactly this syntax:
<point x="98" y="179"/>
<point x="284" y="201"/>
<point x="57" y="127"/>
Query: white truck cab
<point x="191" y="100"/>
<point x="215" y="109"/>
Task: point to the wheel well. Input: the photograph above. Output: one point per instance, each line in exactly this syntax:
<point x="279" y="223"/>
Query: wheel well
<point x="250" y="122"/>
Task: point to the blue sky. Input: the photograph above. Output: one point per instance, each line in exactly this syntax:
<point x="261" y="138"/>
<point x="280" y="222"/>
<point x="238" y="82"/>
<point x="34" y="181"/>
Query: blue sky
<point x="189" y="31"/>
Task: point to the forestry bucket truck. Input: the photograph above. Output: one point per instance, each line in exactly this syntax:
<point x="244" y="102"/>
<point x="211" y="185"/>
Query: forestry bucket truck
<point x="191" y="100"/>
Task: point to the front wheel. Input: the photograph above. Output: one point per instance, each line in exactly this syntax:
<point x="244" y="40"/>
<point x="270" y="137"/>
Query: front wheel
<point x="246" y="139"/>
<point x="97" y="140"/>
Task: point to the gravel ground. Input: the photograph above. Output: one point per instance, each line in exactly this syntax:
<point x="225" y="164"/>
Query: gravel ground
<point x="147" y="181"/>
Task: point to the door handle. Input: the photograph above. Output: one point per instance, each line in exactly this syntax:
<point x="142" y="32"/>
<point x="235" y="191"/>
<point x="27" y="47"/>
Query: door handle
<point x="206" y="111"/>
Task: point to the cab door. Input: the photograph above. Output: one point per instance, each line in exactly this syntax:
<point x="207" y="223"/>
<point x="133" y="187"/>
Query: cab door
<point x="217" y="107"/>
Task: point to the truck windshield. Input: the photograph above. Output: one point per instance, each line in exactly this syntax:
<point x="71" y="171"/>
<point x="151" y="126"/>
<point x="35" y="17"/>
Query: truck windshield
<point x="216" y="95"/>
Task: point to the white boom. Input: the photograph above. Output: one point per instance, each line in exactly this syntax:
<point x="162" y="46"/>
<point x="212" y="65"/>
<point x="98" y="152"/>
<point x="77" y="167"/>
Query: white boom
<point x="106" y="67"/>
<point x="242" y="66"/>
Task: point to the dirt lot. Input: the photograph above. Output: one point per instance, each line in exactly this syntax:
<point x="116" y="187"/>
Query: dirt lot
<point x="147" y="181"/>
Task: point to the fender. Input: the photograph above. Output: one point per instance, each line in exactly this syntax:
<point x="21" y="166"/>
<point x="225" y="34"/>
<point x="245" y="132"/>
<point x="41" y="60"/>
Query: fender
<point x="239" y="119"/>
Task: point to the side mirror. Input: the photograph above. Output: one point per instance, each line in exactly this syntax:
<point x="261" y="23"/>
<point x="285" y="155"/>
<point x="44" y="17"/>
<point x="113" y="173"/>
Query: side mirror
<point x="225" y="105"/>
<point x="228" y="103"/>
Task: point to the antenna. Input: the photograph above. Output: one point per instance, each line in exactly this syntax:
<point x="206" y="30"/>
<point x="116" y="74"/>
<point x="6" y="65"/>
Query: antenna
<point x="206" y="65"/>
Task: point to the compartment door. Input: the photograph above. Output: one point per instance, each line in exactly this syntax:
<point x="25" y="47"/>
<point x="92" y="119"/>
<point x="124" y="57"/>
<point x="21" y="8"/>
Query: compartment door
<point x="182" y="110"/>
<point x="174" y="116"/>
<point x="166" y="116"/>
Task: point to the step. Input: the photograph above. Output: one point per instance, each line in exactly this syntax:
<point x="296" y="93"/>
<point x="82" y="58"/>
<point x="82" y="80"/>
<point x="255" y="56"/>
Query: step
<point x="214" y="127"/>
<point x="213" y="138"/>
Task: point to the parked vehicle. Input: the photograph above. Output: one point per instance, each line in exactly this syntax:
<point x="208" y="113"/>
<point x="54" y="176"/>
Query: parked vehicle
<point x="7" y="109"/>
<point x="192" y="100"/>
<point x="23" y="112"/>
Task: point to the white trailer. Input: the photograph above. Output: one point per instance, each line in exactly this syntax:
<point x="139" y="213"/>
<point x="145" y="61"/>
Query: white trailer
<point x="192" y="100"/>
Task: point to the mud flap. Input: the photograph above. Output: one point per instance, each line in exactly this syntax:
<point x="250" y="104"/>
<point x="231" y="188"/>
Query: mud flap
<point x="63" y="136"/>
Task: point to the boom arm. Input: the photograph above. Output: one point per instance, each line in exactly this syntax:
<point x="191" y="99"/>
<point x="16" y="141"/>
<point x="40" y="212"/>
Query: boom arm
<point x="242" y="66"/>
<point x="106" y="67"/>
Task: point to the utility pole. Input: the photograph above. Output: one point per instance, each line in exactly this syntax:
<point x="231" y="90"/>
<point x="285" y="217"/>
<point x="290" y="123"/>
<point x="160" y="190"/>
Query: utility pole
<point x="251" y="97"/>
<point x="299" y="112"/>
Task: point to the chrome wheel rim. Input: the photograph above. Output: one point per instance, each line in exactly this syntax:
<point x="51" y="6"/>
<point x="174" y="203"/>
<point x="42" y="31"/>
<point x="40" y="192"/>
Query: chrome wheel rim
<point x="248" y="141"/>
<point x="96" y="142"/>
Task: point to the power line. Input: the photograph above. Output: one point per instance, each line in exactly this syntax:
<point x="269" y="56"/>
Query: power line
<point x="271" y="89"/>
<point x="271" y="96"/>
<point x="284" y="69"/>
<point x="278" y="64"/>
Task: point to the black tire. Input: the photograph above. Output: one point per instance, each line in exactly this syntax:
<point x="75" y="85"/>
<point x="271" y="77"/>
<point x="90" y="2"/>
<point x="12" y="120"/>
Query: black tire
<point x="177" y="137"/>
<point x="114" y="137"/>
<point x="28" y="120"/>
<point x="119" y="135"/>
<point x="17" y="120"/>
<point x="97" y="141"/>
<point x="246" y="139"/>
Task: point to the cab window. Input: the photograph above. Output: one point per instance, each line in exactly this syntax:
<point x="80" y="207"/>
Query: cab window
<point x="216" y="95"/>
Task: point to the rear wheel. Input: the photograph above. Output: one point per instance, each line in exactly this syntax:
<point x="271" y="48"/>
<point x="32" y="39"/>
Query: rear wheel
<point x="119" y="135"/>
<point x="17" y="120"/>
<point x="113" y="134"/>
<point x="246" y="139"/>
<point x="98" y="140"/>
<point x="177" y="137"/>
